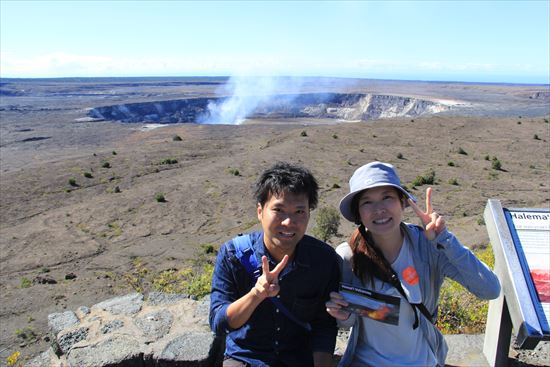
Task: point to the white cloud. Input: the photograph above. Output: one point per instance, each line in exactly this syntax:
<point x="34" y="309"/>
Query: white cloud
<point x="60" y="64"/>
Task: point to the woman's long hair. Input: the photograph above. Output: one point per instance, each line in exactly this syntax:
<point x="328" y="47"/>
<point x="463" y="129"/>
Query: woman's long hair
<point x="368" y="262"/>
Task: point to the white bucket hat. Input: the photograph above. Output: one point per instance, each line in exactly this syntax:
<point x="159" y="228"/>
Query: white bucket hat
<point x="370" y="175"/>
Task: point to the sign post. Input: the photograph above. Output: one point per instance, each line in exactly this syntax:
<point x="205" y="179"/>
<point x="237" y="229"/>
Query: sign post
<point x="521" y="244"/>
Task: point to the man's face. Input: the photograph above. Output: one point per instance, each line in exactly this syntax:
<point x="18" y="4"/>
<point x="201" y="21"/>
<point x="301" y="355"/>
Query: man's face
<point x="284" y="221"/>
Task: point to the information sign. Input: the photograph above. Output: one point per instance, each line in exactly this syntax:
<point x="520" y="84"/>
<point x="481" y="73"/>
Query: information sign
<point x="521" y="244"/>
<point x="530" y="231"/>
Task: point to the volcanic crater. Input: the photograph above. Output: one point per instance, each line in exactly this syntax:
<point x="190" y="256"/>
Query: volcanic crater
<point x="339" y="106"/>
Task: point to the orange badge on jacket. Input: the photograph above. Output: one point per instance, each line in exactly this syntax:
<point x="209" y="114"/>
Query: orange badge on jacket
<point x="410" y="275"/>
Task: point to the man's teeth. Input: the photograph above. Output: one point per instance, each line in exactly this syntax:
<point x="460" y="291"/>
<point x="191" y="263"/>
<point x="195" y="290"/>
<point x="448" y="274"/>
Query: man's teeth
<point x="288" y="234"/>
<point x="382" y="221"/>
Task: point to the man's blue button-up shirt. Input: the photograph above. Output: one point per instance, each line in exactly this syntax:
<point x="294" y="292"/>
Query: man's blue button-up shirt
<point x="269" y="338"/>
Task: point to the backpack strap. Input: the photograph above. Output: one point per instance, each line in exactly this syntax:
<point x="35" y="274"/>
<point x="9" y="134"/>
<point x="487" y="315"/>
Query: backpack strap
<point x="246" y="255"/>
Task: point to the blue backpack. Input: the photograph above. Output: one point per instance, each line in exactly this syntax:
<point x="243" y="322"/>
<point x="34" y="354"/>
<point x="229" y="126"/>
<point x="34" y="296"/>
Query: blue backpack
<point x="247" y="257"/>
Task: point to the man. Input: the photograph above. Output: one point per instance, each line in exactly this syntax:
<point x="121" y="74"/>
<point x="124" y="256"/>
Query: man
<point x="297" y="270"/>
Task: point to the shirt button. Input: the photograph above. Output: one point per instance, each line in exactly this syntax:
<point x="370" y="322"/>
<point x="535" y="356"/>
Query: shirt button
<point x="277" y="310"/>
<point x="278" y="329"/>
<point x="276" y="342"/>
<point x="278" y="296"/>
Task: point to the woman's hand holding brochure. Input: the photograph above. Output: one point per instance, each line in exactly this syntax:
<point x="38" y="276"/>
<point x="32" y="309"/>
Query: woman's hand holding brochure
<point x="336" y="306"/>
<point x="365" y="303"/>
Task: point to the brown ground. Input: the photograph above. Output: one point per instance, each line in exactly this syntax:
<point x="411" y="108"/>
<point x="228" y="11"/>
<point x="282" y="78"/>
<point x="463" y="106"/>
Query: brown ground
<point x="93" y="232"/>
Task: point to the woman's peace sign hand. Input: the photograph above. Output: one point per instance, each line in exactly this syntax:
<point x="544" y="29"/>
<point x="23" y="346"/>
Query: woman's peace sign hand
<point x="267" y="284"/>
<point x="432" y="222"/>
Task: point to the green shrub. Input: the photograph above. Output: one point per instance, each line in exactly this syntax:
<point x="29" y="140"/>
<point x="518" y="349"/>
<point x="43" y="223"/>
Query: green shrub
<point x="327" y="223"/>
<point x="114" y="153"/>
<point x="495" y="164"/>
<point x="208" y="248"/>
<point x="25" y="283"/>
<point x="462" y="151"/>
<point x="200" y="284"/>
<point x="106" y="165"/>
<point x="427" y="179"/>
<point x="234" y="171"/>
<point x="487" y="158"/>
<point x="399" y="156"/>
<point x="453" y="181"/>
<point x="88" y="175"/>
<point x="335" y="186"/>
<point x="160" y="197"/>
<point x="27" y="334"/>
<point x="451" y="164"/>
<point x="116" y="189"/>
<point x="334" y="136"/>
<point x="303" y="133"/>
<point x="137" y="278"/>
<point x="536" y="137"/>
<point x="194" y="283"/>
<point x="115" y="228"/>
<point x="176" y="138"/>
<point x="460" y="312"/>
<point x="72" y="182"/>
<point x="169" y="161"/>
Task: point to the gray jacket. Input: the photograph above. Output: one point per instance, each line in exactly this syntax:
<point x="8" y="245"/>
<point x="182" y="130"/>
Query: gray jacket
<point x="434" y="260"/>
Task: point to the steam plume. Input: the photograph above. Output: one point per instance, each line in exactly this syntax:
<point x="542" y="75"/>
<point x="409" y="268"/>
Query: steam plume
<point x="243" y="95"/>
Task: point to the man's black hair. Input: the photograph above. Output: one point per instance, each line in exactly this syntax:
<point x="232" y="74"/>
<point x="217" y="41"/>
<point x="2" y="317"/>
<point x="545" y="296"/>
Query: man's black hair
<point x="286" y="177"/>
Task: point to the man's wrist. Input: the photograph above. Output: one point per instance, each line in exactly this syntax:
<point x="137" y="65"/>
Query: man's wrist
<point x="257" y="295"/>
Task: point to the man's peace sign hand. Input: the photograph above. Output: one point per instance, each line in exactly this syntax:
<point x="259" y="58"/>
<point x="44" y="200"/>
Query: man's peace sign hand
<point x="432" y="222"/>
<point x="267" y="284"/>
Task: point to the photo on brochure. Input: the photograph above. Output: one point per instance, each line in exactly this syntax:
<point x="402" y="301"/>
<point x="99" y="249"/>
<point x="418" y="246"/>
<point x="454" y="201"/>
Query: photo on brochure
<point x="366" y="303"/>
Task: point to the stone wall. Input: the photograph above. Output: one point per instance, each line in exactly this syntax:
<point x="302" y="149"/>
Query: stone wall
<point x="158" y="330"/>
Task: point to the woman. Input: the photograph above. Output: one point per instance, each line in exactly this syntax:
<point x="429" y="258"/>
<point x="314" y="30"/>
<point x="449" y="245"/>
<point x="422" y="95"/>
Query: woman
<point x="392" y="274"/>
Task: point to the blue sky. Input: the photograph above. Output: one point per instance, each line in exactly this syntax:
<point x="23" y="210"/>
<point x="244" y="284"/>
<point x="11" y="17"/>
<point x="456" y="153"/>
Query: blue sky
<point x="485" y="41"/>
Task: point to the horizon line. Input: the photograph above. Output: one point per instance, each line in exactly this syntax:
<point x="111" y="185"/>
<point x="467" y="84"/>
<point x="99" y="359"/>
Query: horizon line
<point x="272" y="76"/>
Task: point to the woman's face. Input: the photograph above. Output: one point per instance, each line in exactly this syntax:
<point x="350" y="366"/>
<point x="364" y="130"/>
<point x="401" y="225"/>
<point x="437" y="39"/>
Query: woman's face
<point x="381" y="209"/>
